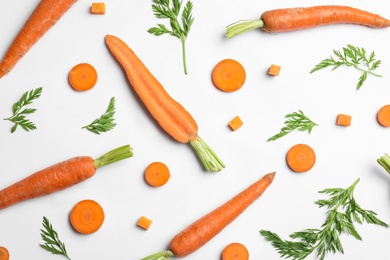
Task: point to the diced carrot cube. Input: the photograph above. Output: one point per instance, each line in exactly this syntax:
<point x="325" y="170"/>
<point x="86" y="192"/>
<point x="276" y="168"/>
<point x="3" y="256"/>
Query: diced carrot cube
<point x="235" y="123"/>
<point x="274" y="70"/>
<point x="98" y="8"/>
<point x="144" y="222"/>
<point x="343" y="120"/>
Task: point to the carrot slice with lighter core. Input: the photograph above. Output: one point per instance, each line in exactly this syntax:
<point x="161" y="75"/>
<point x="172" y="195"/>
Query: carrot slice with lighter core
<point x="157" y="174"/>
<point x="4" y="254"/>
<point x="228" y="75"/>
<point x="301" y="158"/>
<point x="235" y="251"/>
<point x="83" y="77"/>
<point x="383" y="116"/>
<point x="87" y="216"/>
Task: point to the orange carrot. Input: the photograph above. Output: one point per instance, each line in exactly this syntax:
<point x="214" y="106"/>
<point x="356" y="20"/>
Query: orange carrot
<point x="235" y="251"/>
<point x="98" y="8"/>
<point x="343" y="120"/>
<point x="4" y="253"/>
<point x="144" y="222"/>
<point x="157" y="174"/>
<point x="87" y="216"/>
<point x="228" y="75"/>
<point x="383" y="116"/>
<point x="83" y="77"/>
<point x="45" y="15"/>
<point x="299" y="18"/>
<point x="274" y="70"/>
<point x="301" y="158"/>
<point x="171" y="115"/>
<point x="59" y="176"/>
<point x="235" y="123"/>
<point x="204" y="229"/>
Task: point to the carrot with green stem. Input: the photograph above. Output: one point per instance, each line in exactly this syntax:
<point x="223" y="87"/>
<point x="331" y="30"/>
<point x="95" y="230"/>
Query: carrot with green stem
<point x="204" y="229"/>
<point x="300" y="18"/>
<point x="59" y="176"/>
<point x="170" y="114"/>
<point x="45" y="15"/>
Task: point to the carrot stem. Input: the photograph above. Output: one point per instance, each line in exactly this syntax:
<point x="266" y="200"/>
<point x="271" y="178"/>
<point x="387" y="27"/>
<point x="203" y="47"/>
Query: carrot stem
<point x="208" y="157"/>
<point x="114" y="155"/>
<point x="384" y="161"/>
<point x="243" y="26"/>
<point x="183" y="47"/>
<point x="164" y="255"/>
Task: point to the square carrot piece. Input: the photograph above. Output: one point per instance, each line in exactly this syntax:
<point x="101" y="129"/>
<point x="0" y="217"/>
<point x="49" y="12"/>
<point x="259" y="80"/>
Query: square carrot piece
<point x="274" y="70"/>
<point x="235" y="123"/>
<point x="343" y="120"/>
<point x="144" y="222"/>
<point x="98" y="8"/>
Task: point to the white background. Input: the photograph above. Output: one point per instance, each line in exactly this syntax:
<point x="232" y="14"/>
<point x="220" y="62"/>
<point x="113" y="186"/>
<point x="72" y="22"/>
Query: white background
<point x="344" y="154"/>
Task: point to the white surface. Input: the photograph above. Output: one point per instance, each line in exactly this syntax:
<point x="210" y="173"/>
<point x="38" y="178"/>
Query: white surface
<point x="343" y="154"/>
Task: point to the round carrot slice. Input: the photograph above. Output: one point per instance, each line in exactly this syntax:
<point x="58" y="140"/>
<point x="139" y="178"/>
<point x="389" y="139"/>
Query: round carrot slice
<point x="83" y="77"/>
<point x="228" y="75"/>
<point x="157" y="174"/>
<point x="4" y="254"/>
<point x="383" y="116"/>
<point x="235" y="251"/>
<point x="301" y="158"/>
<point x="87" y="216"/>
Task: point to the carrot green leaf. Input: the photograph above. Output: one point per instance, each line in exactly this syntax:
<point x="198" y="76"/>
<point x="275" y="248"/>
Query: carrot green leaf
<point x="52" y="243"/>
<point x="105" y="122"/>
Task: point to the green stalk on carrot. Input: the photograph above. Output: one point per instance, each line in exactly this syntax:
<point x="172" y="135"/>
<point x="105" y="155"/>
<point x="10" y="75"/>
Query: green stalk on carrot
<point x="59" y="176"/>
<point x="384" y="161"/>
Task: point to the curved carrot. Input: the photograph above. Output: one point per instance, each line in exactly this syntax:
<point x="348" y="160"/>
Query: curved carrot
<point x="383" y="116"/>
<point x="235" y="251"/>
<point x="299" y="18"/>
<point x="204" y="229"/>
<point x="301" y="158"/>
<point x="4" y="253"/>
<point x="59" y="176"/>
<point x="228" y="75"/>
<point x="87" y="216"/>
<point x="171" y="115"/>
<point x="83" y="77"/>
<point x="157" y="174"/>
<point x="45" y="15"/>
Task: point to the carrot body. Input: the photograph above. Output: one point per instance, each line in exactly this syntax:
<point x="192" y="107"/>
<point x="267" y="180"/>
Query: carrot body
<point x="301" y="158"/>
<point x="58" y="177"/>
<point x="157" y="174"/>
<point x="144" y="222"/>
<point x="383" y="116"/>
<point x="292" y="19"/>
<point x="83" y="77"/>
<point x="4" y="253"/>
<point x="87" y="216"/>
<point x="235" y="251"/>
<point x="228" y="75"/>
<point x="45" y="15"/>
<point x="203" y="230"/>
<point x="98" y="8"/>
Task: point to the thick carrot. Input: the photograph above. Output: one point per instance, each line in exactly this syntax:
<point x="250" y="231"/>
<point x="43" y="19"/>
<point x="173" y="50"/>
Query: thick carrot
<point x="45" y="15"/>
<point x="83" y="77"/>
<point x="235" y="251"/>
<point x="171" y="115"/>
<point x="204" y="229"/>
<point x="157" y="174"/>
<point x="87" y="216"/>
<point x="4" y="253"/>
<point x="301" y="158"/>
<point x="59" y="176"/>
<point x="383" y="116"/>
<point x="299" y="18"/>
<point x="228" y="75"/>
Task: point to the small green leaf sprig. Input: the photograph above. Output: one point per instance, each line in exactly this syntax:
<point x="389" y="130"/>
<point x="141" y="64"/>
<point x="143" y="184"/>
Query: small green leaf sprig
<point x="19" y="112"/>
<point x="295" y="121"/>
<point x="52" y="243"/>
<point x="352" y="56"/>
<point x="180" y="27"/>
<point x="105" y="122"/>
<point x="342" y="213"/>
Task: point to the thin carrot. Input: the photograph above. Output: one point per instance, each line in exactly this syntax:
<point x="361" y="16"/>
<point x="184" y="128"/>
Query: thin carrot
<point x="301" y="158"/>
<point x="383" y="116"/>
<point x="204" y="229"/>
<point x="45" y="15"/>
<point x="171" y="115"/>
<point x="144" y="222"/>
<point x="59" y="176"/>
<point x="157" y="174"/>
<point x="87" y="216"/>
<point x="4" y="253"/>
<point x="83" y="77"/>
<point x="98" y="8"/>
<point x="299" y="18"/>
<point x="228" y="75"/>
<point x="235" y="251"/>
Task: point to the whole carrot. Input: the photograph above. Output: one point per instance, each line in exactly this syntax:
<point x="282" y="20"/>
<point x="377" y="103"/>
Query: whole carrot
<point x="45" y="15"/>
<point x="204" y="229"/>
<point x="170" y="114"/>
<point x="299" y="18"/>
<point x="59" y="176"/>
